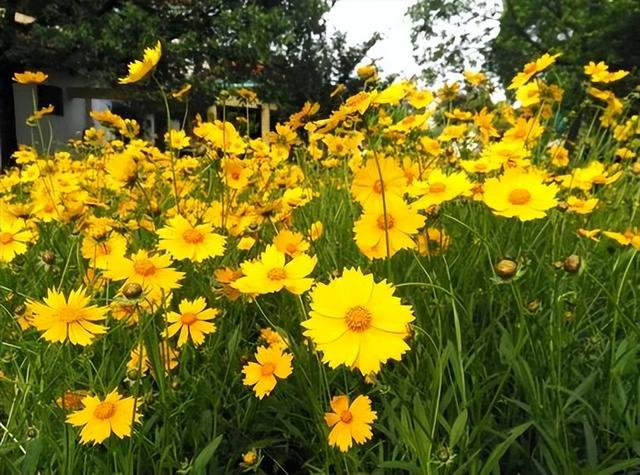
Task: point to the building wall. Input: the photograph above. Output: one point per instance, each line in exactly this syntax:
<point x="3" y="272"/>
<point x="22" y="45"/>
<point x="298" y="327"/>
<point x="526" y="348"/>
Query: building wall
<point x="66" y="127"/>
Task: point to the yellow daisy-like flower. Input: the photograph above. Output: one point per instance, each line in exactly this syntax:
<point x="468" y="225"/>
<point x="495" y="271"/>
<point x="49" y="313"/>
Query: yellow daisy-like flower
<point x="139" y="69"/>
<point x="628" y="238"/>
<point x="580" y="206"/>
<point x="531" y="69"/>
<point x="520" y="194"/>
<point x="350" y="422"/>
<point x="184" y="241"/>
<point x="377" y="233"/>
<point x="529" y="94"/>
<point x="271" y="363"/>
<point x="177" y="139"/>
<point x="14" y="237"/>
<point x="99" y="419"/>
<point x="30" y="77"/>
<point x="439" y="188"/>
<point x="357" y="322"/>
<point x="192" y="321"/>
<point x="71" y="318"/>
<point x="101" y="252"/>
<point x="271" y="273"/>
<point x="153" y="273"/>
<point x="367" y="185"/>
<point x="291" y="243"/>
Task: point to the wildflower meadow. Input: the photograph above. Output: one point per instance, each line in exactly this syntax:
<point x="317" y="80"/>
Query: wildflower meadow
<point x="419" y="281"/>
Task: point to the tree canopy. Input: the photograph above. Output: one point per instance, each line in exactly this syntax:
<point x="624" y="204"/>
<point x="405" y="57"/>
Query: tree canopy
<point x="582" y="30"/>
<point x="281" y="47"/>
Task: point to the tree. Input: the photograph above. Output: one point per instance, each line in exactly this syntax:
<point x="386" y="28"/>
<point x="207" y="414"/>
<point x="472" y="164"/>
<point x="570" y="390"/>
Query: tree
<point x="281" y="47"/>
<point x="582" y="30"/>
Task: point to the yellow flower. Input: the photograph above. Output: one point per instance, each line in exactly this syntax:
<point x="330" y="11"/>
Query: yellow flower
<point x="629" y="237"/>
<point x="236" y="173"/>
<point x="357" y="322"/>
<point x="71" y="318"/>
<point x="177" y="139"/>
<point x="600" y="72"/>
<point x="270" y="363"/>
<point x="30" y="77"/>
<point x="138" y="70"/>
<point x="181" y="93"/>
<point x="520" y="194"/>
<point x="192" y="321"/>
<point x="100" y="252"/>
<point x="367" y="71"/>
<point x="531" y="69"/>
<point x="378" y="234"/>
<point x="291" y="243"/>
<point x="349" y="422"/>
<point x="100" y="419"/>
<point x="272" y="338"/>
<point x="184" y="241"/>
<point x="370" y="181"/>
<point x="151" y="272"/>
<point x="439" y="188"/>
<point x="316" y="230"/>
<point x="474" y="78"/>
<point x="271" y="274"/>
<point x="246" y="243"/>
<point x="39" y="114"/>
<point x="420" y="99"/>
<point x="14" y="237"/>
<point x="580" y="206"/>
<point x="529" y="94"/>
<point x="432" y="242"/>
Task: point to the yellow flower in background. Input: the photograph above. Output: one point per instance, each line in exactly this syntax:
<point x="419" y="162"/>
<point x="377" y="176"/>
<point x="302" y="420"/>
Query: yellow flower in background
<point x="271" y="273"/>
<point x="271" y="363"/>
<point x="100" y="252"/>
<point x="439" y="188"/>
<point x="367" y="72"/>
<point x="630" y="237"/>
<point x="272" y="338"/>
<point x="14" y="238"/>
<point x="474" y="78"/>
<point x="529" y="94"/>
<point x="101" y="418"/>
<point x="291" y="243"/>
<point x="350" y="423"/>
<point x="376" y="176"/>
<point x="580" y="206"/>
<point x="316" y="230"/>
<point x="236" y="173"/>
<point x="153" y="273"/>
<point x="357" y="322"/>
<point x="600" y="72"/>
<point x="377" y="233"/>
<point x="140" y="69"/>
<point x="519" y="194"/>
<point x="181" y="93"/>
<point x="39" y="114"/>
<point x="531" y="69"/>
<point x="432" y="242"/>
<point x="192" y="321"/>
<point x="30" y="77"/>
<point x="245" y="243"/>
<point x="420" y="99"/>
<point x="177" y="139"/>
<point x="182" y="240"/>
<point x="73" y="319"/>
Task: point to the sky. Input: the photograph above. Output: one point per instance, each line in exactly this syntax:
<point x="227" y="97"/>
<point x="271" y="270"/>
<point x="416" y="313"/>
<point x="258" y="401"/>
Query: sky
<point x="359" y="19"/>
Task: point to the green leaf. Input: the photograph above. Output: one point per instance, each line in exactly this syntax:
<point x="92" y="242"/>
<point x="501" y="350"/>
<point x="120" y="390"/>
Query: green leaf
<point x="30" y="462"/>
<point x="458" y="428"/>
<point x="203" y="458"/>
<point x="502" y="447"/>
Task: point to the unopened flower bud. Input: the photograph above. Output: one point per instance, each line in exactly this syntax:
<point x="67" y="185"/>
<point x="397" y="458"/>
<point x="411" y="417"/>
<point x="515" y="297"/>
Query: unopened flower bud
<point x="132" y="291"/>
<point x="20" y="309"/>
<point x="506" y="268"/>
<point x="572" y="264"/>
<point x="49" y="257"/>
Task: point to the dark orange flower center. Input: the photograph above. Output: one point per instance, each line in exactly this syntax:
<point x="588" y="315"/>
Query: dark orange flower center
<point x="519" y="196"/>
<point x="481" y="166"/>
<point x="235" y="174"/>
<point x="144" y="267"/>
<point x="188" y="318"/>
<point x="388" y="225"/>
<point x="346" y="416"/>
<point x="103" y="250"/>
<point x="437" y="187"/>
<point x="377" y="186"/>
<point x="6" y="238"/>
<point x="69" y="315"/>
<point x="291" y="248"/>
<point x="277" y="274"/>
<point x="104" y="410"/>
<point x="358" y="319"/>
<point x="193" y="236"/>
<point x="268" y="369"/>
